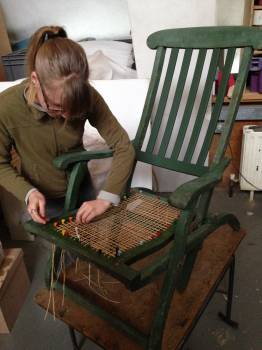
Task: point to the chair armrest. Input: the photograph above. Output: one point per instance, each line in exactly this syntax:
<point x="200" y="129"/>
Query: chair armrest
<point x="189" y="191"/>
<point x="62" y="162"/>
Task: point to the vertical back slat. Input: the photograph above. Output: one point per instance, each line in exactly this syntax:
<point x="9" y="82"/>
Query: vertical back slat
<point x="218" y="106"/>
<point x="150" y="98"/>
<point x="211" y="75"/>
<point x="163" y="99"/>
<point x="235" y="100"/>
<point x="190" y="103"/>
<point x="176" y="102"/>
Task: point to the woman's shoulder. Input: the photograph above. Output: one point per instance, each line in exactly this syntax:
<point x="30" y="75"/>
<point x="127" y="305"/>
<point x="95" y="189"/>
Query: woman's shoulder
<point x="96" y="100"/>
<point x="12" y="90"/>
<point x="12" y="102"/>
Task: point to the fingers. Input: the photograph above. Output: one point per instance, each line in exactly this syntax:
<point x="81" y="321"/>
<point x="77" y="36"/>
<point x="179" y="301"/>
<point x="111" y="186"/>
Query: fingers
<point x="42" y="208"/>
<point x="91" y="209"/>
<point x="85" y="213"/>
<point x="36" y="207"/>
<point x="36" y="216"/>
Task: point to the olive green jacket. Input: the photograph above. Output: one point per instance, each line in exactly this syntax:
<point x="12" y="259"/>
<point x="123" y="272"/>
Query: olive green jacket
<point x="39" y="138"/>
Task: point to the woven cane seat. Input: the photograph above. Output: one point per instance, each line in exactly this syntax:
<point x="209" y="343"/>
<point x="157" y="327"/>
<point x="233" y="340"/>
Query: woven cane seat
<point x="138" y="219"/>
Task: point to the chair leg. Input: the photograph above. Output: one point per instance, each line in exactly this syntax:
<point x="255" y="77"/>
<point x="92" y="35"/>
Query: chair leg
<point x="157" y="330"/>
<point x="227" y="316"/>
<point x="171" y="278"/>
<point x="187" y="270"/>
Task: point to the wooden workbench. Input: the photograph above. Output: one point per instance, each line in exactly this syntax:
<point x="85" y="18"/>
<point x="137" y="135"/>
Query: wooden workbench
<point x="138" y="307"/>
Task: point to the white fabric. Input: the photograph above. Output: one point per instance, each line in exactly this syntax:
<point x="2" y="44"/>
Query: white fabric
<point x="6" y="84"/>
<point x="102" y="67"/>
<point x="28" y="194"/>
<point x="119" y="52"/>
<point x="126" y="100"/>
<point x="110" y="197"/>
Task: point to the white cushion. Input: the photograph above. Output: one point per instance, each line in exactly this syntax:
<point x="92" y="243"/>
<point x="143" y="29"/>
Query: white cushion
<point x="125" y="99"/>
<point x="6" y="84"/>
<point x="119" y="52"/>
<point x="102" y="67"/>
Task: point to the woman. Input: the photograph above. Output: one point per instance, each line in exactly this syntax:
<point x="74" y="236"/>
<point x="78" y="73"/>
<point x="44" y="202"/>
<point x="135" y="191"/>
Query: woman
<point x="44" y="117"/>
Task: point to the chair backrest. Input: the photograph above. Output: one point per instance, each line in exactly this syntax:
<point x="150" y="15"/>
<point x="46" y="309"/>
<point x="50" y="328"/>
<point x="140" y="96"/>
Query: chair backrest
<point x="178" y="140"/>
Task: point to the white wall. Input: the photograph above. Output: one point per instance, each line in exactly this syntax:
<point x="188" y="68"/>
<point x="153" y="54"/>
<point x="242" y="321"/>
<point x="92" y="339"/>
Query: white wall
<point x="81" y="18"/>
<point x="109" y="18"/>
<point x="148" y="16"/>
<point x="230" y="12"/>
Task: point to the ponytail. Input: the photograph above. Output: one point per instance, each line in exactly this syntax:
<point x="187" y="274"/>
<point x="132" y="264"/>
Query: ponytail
<point x="39" y="37"/>
<point x="55" y="57"/>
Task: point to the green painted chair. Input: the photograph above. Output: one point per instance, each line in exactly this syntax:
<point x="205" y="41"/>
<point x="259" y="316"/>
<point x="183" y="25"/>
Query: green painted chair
<point x="184" y="151"/>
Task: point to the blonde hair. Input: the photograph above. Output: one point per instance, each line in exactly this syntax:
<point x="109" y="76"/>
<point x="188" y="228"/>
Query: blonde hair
<point x="55" y="57"/>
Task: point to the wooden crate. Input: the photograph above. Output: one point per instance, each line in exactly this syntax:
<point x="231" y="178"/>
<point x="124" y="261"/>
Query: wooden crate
<point x="14" y="285"/>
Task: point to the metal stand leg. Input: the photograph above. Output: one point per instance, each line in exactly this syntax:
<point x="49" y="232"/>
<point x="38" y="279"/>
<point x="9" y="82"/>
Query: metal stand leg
<point x="76" y="346"/>
<point x="73" y="338"/>
<point x="227" y="317"/>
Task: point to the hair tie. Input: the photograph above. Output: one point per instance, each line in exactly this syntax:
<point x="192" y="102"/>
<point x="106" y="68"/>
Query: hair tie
<point x="46" y="37"/>
<point x="50" y="35"/>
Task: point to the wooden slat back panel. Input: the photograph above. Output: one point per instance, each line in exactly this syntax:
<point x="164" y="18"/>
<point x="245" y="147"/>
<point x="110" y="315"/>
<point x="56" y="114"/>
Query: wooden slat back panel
<point x="177" y="110"/>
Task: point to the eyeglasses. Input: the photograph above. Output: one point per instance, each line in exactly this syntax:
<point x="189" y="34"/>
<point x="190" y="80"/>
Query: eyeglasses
<point x="45" y="98"/>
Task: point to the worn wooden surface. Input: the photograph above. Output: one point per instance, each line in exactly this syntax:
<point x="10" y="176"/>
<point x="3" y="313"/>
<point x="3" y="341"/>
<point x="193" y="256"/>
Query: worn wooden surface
<point x="14" y="285"/>
<point x="139" y="307"/>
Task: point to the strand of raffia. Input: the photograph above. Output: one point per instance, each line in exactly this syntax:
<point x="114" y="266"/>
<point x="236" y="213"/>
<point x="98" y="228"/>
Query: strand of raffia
<point x="64" y="274"/>
<point x="51" y="293"/>
<point x="76" y="264"/>
<point x="53" y="282"/>
<point x="90" y="282"/>
<point x="95" y="287"/>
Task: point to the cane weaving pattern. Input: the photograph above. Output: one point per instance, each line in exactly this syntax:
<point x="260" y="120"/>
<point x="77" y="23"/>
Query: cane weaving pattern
<point x="138" y="219"/>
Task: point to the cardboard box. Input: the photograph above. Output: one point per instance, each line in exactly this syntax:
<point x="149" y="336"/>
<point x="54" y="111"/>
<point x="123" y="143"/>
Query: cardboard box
<point x="14" y="285"/>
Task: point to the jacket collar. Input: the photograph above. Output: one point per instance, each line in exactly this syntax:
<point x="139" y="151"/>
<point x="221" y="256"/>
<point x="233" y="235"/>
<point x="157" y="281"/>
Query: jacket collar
<point x="37" y="111"/>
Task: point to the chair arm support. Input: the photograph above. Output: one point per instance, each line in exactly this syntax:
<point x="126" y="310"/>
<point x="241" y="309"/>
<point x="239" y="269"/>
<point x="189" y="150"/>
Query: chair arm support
<point x="183" y="196"/>
<point x="67" y="159"/>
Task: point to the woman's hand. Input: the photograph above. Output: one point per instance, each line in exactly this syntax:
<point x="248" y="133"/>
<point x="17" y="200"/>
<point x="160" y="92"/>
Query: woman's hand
<point x="36" y="207"/>
<point x="91" y="209"/>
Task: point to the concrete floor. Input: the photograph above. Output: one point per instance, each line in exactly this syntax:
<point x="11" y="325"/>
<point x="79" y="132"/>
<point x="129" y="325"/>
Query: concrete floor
<point x="32" y="332"/>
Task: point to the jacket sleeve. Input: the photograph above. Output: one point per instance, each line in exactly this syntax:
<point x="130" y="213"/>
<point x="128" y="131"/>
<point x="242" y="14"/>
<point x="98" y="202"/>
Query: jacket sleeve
<point x="117" y="139"/>
<point x="10" y="179"/>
